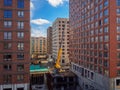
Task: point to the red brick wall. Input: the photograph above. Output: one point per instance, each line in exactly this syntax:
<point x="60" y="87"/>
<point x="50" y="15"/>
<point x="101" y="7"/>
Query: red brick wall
<point x="14" y="41"/>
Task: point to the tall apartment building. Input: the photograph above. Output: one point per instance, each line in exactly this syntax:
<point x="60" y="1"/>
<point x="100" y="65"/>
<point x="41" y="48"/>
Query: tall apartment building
<point x="39" y="45"/>
<point x="49" y="40"/>
<point x="60" y="35"/>
<point x="14" y="44"/>
<point x="95" y="43"/>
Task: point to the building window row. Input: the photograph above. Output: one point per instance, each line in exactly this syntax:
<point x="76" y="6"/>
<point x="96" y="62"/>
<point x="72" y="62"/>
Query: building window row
<point x="8" y="14"/>
<point x="8" y="78"/>
<point x="7" y="2"/>
<point x="7" y="45"/>
<point x="20" y="3"/>
<point x="8" y="56"/>
<point x="8" y="24"/>
<point x="85" y="13"/>
<point x="118" y="2"/>
<point x="8" y="35"/>
<point x="7" y="67"/>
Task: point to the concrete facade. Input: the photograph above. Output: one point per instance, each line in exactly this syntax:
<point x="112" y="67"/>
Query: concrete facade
<point x="39" y="45"/>
<point x="14" y="44"/>
<point x="94" y="43"/>
<point x="60" y="25"/>
<point x="49" y="41"/>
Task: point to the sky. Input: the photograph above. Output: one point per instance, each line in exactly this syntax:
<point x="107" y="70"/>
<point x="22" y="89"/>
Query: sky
<point x="44" y="12"/>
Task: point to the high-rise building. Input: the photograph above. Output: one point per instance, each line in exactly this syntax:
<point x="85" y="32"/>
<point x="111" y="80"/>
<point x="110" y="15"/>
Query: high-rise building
<point x="49" y="41"/>
<point x="39" y="45"/>
<point x="60" y="36"/>
<point x="95" y="43"/>
<point x="14" y="44"/>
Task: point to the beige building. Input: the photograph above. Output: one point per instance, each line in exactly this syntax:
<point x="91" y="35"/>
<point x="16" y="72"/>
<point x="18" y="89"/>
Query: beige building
<point x="49" y="40"/>
<point x="61" y="25"/>
<point x="39" y="45"/>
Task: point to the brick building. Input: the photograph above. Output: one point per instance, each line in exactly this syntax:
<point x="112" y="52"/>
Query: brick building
<point x="14" y="44"/>
<point x="95" y="43"/>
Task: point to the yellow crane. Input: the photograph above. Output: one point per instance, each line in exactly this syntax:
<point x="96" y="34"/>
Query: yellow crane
<point x="57" y="64"/>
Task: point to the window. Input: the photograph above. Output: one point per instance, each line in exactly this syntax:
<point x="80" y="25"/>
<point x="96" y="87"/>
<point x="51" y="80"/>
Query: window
<point x="100" y="46"/>
<point x="101" y="14"/>
<point x="118" y="73"/>
<point x="106" y="29"/>
<point x="106" y="46"/>
<point x="20" y="25"/>
<point x="100" y="54"/>
<point x="106" y="38"/>
<point x="118" y="2"/>
<point x="7" y="67"/>
<point x="101" y="7"/>
<point x="100" y="22"/>
<point x="101" y="30"/>
<point x="118" y="29"/>
<point x="7" y="56"/>
<point x="20" y="67"/>
<point x="7" y="24"/>
<point x="118" y="80"/>
<point x="63" y="61"/>
<point x="7" y="78"/>
<point x="118" y="10"/>
<point x="118" y="63"/>
<point x="20" y="56"/>
<point x="105" y="63"/>
<point x="92" y="75"/>
<point x="105" y="54"/>
<point x="7" y="13"/>
<point x="118" y="46"/>
<point x="7" y="2"/>
<point x="106" y="3"/>
<point x="7" y="35"/>
<point x="101" y="38"/>
<point x="7" y="45"/>
<point x="20" y="13"/>
<point x="106" y="12"/>
<point x="20" y="3"/>
<point x="106" y="21"/>
<point x="20" y="77"/>
<point x="20" y="46"/>
<point x="118" y="20"/>
<point x="96" y="9"/>
<point x="118" y="37"/>
<point x="118" y="55"/>
<point x="20" y="34"/>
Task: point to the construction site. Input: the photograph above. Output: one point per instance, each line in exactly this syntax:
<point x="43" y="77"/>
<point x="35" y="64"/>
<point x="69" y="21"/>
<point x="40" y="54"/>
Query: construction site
<point x="55" y="76"/>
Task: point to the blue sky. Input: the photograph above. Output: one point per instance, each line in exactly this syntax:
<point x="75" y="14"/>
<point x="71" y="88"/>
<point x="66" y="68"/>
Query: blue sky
<point x="44" y="12"/>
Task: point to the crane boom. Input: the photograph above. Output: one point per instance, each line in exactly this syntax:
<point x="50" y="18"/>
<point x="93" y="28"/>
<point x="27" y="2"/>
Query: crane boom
<point x="57" y="65"/>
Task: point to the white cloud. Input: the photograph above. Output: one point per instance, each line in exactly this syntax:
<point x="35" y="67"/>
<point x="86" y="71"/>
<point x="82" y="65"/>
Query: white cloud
<point x="38" y="32"/>
<point x="40" y="21"/>
<point x="31" y="5"/>
<point x="32" y="8"/>
<point x="56" y="3"/>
